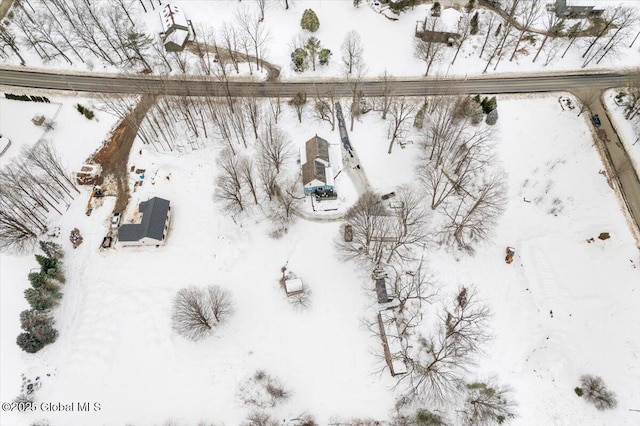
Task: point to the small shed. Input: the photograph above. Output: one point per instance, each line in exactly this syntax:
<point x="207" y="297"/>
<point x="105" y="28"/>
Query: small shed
<point x="391" y="342"/>
<point x="38" y="119"/>
<point x="293" y="286"/>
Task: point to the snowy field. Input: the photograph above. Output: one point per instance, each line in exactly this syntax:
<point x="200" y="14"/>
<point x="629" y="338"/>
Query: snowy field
<point x="387" y="44"/>
<point x="564" y="308"/>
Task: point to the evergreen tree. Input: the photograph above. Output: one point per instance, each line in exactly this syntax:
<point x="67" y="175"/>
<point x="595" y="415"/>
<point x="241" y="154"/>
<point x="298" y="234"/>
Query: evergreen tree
<point x="39" y="325"/>
<point x="29" y="343"/>
<point x="299" y="59"/>
<point x="492" y="117"/>
<point x="310" y="21"/>
<point x="474" y="24"/>
<point x="313" y="47"/>
<point x="51" y="249"/>
<point x="323" y="56"/>
<point x="37" y="279"/>
<point x="41" y="299"/>
<point x="356" y="3"/>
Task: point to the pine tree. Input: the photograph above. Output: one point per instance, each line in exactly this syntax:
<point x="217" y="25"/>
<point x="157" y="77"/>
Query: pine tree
<point x="310" y="21"/>
<point x="313" y="46"/>
<point x="37" y="279"/>
<point x="492" y="117"/>
<point x="39" y="325"/>
<point x="41" y="299"/>
<point x="51" y="249"/>
<point x="29" y="343"/>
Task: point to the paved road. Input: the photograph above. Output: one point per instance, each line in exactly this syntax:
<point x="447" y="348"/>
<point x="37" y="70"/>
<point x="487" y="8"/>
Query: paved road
<point x="128" y="84"/>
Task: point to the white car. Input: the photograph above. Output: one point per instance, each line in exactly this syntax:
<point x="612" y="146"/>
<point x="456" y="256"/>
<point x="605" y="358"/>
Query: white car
<point x="115" y="220"/>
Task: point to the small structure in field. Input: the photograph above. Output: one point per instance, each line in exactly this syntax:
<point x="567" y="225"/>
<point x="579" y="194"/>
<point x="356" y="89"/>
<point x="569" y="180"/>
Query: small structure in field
<point x="317" y="173"/>
<point x="152" y="229"/>
<point x="391" y="342"/>
<point x="175" y="28"/>
<point x="380" y="277"/>
<point x="293" y="286"/>
<point x="38" y="119"/>
<point x="575" y="9"/>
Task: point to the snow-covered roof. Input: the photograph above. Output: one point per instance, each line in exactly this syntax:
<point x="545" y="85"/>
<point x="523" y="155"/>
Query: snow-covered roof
<point x="448" y="22"/>
<point x="581" y="3"/>
<point x="293" y="286"/>
<point x="177" y="36"/>
<point x="172" y="17"/>
<point x="393" y="342"/>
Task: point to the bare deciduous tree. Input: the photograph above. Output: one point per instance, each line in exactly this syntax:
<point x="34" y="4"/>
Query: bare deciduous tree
<point x="299" y="101"/>
<point x="553" y="28"/>
<point x="427" y="49"/>
<point x="528" y="12"/>
<point x="325" y="108"/>
<point x="400" y="110"/>
<point x="197" y="312"/>
<point x="352" y="50"/>
<point x="436" y="363"/>
<point x="229" y="188"/>
<point x="274" y="147"/>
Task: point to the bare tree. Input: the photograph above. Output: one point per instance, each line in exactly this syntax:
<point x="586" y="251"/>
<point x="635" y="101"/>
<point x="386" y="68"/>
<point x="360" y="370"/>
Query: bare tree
<point x="553" y="28"/>
<point x="262" y="4"/>
<point x="325" y="108"/>
<point x="436" y="363"/>
<point x="274" y="147"/>
<point x="427" y="49"/>
<point x="474" y="216"/>
<point x="400" y="110"/>
<point x="487" y="403"/>
<point x="8" y="39"/>
<point x="247" y="173"/>
<point x="352" y="50"/>
<point x="572" y="33"/>
<point x="386" y="93"/>
<point x="197" y="312"/>
<point x="229" y="188"/>
<point x="616" y="17"/>
<point x="490" y="23"/>
<point x="255" y="32"/>
<point x="298" y="102"/>
<point x="500" y="41"/>
<point x="454" y="151"/>
<point x="529" y="12"/>
<point x="464" y="30"/>
<point x="254" y="112"/>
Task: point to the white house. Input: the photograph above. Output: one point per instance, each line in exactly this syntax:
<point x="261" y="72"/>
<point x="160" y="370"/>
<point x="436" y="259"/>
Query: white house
<point x="175" y="28"/>
<point x="152" y="229"/>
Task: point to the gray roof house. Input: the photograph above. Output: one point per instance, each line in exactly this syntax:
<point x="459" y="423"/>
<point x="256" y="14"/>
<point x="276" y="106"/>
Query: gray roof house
<point x="574" y="9"/>
<point x="316" y="168"/>
<point x="152" y="229"/>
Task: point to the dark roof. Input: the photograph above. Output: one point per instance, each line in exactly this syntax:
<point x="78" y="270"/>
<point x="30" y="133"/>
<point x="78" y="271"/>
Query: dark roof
<point x="317" y="148"/>
<point x="154" y="215"/>
<point x="381" y="290"/>
<point x="313" y="170"/>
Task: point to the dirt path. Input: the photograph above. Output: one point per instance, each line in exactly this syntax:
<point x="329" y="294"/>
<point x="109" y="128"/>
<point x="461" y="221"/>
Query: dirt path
<point x="5" y="5"/>
<point x="114" y="155"/>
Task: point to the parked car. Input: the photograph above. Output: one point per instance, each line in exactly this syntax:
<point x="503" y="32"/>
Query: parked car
<point x="115" y="220"/>
<point x="596" y="120"/>
<point x="389" y="195"/>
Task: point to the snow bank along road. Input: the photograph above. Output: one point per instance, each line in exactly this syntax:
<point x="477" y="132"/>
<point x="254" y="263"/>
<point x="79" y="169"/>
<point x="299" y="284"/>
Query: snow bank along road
<point x="127" y="84"/>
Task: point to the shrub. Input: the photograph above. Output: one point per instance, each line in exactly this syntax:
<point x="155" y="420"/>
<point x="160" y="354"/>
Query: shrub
<point x="596" y="392"/>
<point x="310" y="21"/>
<point x="299" y="59"/>
<point x="323" y="56"/>
<point x="427" y="418"/>
<point x="578" y="390"/>
<point x="85" y="111"/>
<point x="262" y="390"/>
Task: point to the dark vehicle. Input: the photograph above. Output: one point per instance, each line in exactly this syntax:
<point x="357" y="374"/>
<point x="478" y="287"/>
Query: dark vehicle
<point x="389" y="195"/>
<point x="595" y="119"/>
<point x="348" y="233"/>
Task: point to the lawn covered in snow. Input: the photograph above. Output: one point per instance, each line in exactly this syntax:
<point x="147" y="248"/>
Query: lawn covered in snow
<point x="116" y="345"/>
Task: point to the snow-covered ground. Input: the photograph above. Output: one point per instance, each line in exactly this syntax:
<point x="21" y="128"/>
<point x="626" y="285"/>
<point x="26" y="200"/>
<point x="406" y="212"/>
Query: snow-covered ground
<point x="117" y="348"/>
<point x="388" y="45"/>
<point x="628" y="130"/>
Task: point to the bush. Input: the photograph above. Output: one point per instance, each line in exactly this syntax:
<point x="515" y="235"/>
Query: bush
<point x="323" y="56"/>
<point x="85" y="111"/>
<point x="310" y="21"/>
<point x="596" y="392"/>
<point x="578" y="390"/>
<point x="427" y="418"/>
<point x="259" y="418"/>
<point x="262" y="390"/>
<point x="299" y="59"/>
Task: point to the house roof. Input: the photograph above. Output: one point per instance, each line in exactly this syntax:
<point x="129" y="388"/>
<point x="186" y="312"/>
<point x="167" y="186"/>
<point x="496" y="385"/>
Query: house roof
<point x="381" y="290"/>
<point x="316" y="147"/>
<point x="177" y="36"/>
<point x="154" y="215"/>
<point x="172" y="16"/>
